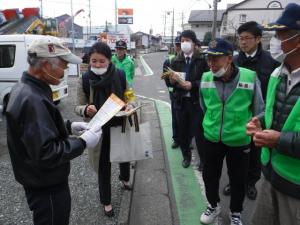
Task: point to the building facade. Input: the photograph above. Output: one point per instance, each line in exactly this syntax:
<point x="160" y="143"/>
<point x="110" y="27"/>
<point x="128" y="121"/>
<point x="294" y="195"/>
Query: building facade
<point x="261" y="11"/>
<point x="200" y="21"/>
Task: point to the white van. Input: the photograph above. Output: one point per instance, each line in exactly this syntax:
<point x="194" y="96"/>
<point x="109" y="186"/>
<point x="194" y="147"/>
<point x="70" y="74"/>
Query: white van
<point x="13" y="62"/>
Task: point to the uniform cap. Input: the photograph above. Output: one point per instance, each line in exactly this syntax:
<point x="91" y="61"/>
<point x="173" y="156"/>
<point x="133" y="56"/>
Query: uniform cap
<point x="219" y="47"/>
<point x="289" y="19"/>
<point x="177" y="40"/>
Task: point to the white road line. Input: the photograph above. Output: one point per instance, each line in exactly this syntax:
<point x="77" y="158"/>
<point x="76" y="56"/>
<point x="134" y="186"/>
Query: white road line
<point x="147" y="68"/>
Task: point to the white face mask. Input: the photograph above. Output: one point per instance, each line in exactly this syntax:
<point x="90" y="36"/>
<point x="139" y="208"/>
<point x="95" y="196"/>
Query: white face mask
<point x="276" y="51"/>
<point x="186" y="47"/>
<point x="220" y="72"/>
<point x="66" y="73"/>
<point x="99" y="71"/>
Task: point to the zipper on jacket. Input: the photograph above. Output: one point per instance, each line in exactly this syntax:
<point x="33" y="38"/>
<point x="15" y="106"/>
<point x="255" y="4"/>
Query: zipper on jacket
<point x="223" y="106"/>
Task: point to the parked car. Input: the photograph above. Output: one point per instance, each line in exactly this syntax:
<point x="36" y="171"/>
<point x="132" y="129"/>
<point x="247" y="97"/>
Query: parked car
<point x="13" y="61"/>
<point x="164" y="48"/>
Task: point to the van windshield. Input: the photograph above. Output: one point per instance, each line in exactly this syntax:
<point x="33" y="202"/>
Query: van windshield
<point x="7" y="55"/>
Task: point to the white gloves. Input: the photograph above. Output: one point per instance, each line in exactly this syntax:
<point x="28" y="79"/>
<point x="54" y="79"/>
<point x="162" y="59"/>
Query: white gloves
<point x="78" y="128"/>
<point x="92" y="136"/>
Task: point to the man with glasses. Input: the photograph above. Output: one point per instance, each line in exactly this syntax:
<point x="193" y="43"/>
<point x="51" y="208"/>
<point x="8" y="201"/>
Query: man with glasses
<point x="38" y="138"/>
<point x="277" y="130"/>
<point x="253" y="57"/>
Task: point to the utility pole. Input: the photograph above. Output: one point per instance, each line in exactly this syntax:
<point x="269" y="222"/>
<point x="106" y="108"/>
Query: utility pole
<point x="116" y="17"/>
<point x="173" y="29"/>
<point x="72" y="15"/>
<point x="41" y="9"/>
<point x="90" y="30"/>
<point x="182" y="19"/>
<point x="214" y="25"/>
<point x="165" y="23"/>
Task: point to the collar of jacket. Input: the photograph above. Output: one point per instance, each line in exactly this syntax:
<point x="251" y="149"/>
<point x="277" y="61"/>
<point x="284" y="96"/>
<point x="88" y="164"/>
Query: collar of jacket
<point x="196" y="55"/>
<point x="258" y="53"/>
<point x="32" y="81"/>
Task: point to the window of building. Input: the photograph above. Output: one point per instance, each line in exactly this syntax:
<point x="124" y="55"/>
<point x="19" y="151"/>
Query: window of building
<point x="243" y="18"/>
<point x="7" y="55"/>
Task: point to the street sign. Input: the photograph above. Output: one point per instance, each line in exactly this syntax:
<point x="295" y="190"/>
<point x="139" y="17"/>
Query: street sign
<point x="125" y="16"/>
<point x="125" y="20"/>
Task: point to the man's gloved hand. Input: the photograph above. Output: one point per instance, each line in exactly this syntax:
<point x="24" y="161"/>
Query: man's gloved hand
<point x="78" y="128"/>
<point x="92" y="136"/>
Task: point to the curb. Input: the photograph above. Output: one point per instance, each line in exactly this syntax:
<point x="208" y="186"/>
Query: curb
<point x="124" y="213"/>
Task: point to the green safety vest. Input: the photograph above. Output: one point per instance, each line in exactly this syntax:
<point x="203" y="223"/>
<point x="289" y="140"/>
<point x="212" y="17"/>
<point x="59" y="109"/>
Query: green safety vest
<point x="127" y="65"/>
<point x="227" y="121"/>
<point x="285" y="166"/>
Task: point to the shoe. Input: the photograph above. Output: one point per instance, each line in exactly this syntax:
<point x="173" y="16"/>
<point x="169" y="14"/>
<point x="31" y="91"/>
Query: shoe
<point x="174" y="145"/>
<point x="186" y="163"/>
<point x="109" y="213"/>
<point x="210" y="214"/>
<point x="226" y="190"/>
<point x="235" y="219"/>
<point x="200" y="167"/>
<point x="125" y="186"/>
<point x="251" y="192"/>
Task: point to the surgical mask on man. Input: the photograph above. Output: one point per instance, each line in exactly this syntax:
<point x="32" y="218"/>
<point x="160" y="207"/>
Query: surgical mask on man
<point x="186" y="47"/>
<point x="220" y="72"/>
<point x="99" y="71"/>
<point x="276" y="51"/>
<point x="66" y="72"/>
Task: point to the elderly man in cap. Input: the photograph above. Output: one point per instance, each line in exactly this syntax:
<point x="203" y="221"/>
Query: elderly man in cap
<point x="277" y="130"/>
<point x="38" y="138"/>
<point x="229" y="96"/>
<point x="123" y="61"/>
<point x="252" y="56"/>
<point x="189" y="66"/>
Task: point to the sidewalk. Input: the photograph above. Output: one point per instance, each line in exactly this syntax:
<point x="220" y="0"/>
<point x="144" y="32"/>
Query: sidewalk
<point x="163" y="192"/>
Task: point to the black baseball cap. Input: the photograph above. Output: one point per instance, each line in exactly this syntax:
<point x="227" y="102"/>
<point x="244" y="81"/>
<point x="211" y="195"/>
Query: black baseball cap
<point x="121" y="44"/>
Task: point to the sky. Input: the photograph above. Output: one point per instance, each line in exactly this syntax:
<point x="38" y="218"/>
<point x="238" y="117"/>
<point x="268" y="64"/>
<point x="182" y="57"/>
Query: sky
<point x="147" y="14"/>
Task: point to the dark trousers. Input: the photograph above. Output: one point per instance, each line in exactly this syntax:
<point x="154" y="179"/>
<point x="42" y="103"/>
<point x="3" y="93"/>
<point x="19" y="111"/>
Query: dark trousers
<point x="50" y="206"/>
<point x="254" y="171"/>
<point x="104" y="173"/>
<point x="237" y="166"/>
<point x="189" y="118"/>
<point x="174" y="120"/>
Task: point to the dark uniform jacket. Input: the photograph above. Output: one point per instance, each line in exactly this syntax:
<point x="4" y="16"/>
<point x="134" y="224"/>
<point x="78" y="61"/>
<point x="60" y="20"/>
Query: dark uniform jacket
<point x="198" y="67"/>
<point x="262" y="63"/>
<point x="38" y="142"/>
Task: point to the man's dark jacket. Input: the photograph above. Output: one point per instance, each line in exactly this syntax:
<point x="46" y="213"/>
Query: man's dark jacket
<point x="39" y="144"/>
<point x="198" y="67"/>
<point x="262" y="63"/>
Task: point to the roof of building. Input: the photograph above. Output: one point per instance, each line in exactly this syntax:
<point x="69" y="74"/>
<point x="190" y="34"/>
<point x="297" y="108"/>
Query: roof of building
<point x="204" y="16"/>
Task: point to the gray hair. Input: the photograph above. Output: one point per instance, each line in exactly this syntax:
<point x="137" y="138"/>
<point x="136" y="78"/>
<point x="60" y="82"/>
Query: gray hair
<point x="36" y="62"/>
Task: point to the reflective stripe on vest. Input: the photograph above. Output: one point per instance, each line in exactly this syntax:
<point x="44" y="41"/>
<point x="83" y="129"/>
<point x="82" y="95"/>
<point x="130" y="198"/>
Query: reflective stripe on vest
<point x="227" y="122"/>
<point x="285" y="166"/>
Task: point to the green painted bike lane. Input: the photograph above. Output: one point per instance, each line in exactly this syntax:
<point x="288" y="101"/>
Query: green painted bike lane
<point x="190" y="202"/>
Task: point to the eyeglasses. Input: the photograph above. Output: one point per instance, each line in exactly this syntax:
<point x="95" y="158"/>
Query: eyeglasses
<point x="245" y="38"/>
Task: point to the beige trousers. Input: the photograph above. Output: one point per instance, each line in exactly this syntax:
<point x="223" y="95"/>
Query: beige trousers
<point x="274" y="207"/>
